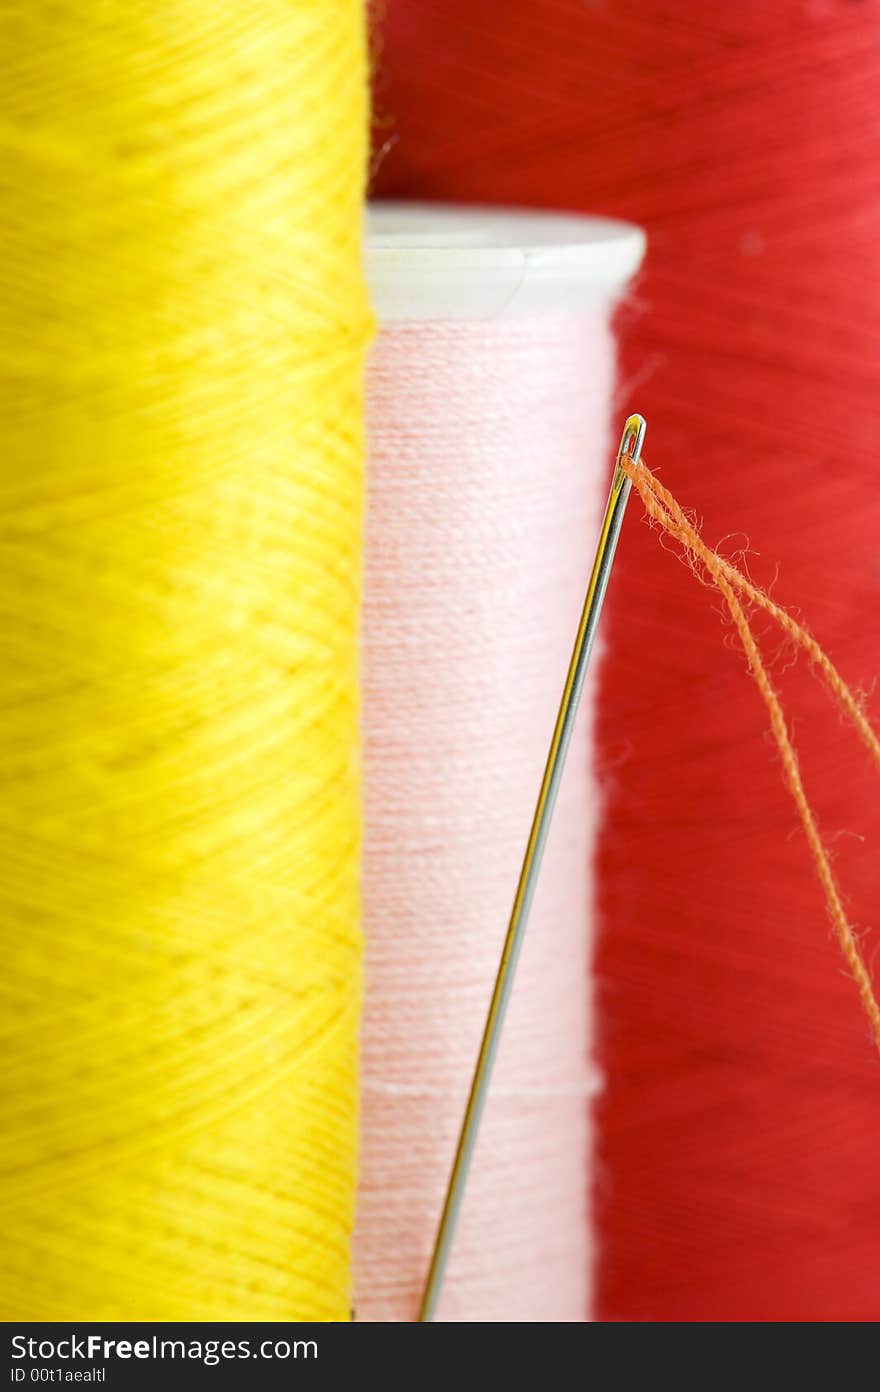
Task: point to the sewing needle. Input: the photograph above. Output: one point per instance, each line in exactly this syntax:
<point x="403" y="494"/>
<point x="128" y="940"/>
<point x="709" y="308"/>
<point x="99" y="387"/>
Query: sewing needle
<point x="630" y="445"/>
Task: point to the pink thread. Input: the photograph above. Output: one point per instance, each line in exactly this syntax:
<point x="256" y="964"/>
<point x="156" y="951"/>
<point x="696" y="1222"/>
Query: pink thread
<point x="489" y="455"/>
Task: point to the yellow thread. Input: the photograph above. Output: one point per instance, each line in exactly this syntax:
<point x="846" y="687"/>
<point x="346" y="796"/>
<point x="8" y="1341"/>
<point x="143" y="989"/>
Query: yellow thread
<point x="183" y="326"/>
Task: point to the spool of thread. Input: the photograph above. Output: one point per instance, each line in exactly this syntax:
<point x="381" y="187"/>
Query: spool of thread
<point x="183" y="328"/>
<point x="489" y="390"/>
<point x="737" y="1131"/>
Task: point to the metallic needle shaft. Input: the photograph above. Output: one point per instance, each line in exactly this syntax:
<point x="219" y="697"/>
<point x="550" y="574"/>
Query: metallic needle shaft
<point x="630" y="444"/>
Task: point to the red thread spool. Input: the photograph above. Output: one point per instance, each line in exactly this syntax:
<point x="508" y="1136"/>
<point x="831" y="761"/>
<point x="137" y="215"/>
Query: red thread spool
<point x="737" y="1133"/>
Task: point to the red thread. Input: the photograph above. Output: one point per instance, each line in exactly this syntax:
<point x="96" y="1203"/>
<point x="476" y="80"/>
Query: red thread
<point x="738" y="1129"/>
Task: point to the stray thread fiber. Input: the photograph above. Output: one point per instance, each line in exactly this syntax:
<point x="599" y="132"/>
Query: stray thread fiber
<point x="662" y="508"/>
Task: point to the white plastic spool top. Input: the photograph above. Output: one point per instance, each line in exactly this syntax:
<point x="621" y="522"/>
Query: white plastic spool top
<point x="442" y="261"/>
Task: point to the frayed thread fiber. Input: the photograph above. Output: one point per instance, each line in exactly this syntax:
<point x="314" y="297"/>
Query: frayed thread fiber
<point x="662" y="508"/>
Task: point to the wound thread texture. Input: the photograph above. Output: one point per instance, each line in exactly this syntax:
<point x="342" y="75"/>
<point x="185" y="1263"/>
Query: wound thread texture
<point x="488" y="456"/>
<point x="183" y="327"/>
<point x="736" y="1166"/>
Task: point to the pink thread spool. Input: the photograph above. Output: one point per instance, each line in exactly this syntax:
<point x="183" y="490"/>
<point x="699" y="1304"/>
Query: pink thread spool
<point x="488" y="405"/>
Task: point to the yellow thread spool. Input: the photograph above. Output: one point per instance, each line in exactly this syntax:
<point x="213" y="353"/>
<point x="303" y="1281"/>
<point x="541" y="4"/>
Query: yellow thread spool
<point x="183" y="326"/>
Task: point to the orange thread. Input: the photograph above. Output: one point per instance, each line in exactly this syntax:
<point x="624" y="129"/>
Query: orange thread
<point x="663" y="509"/>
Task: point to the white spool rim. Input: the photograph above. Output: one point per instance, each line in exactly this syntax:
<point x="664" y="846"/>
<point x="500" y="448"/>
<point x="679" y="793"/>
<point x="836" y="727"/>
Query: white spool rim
<point x="445" y="261"/>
